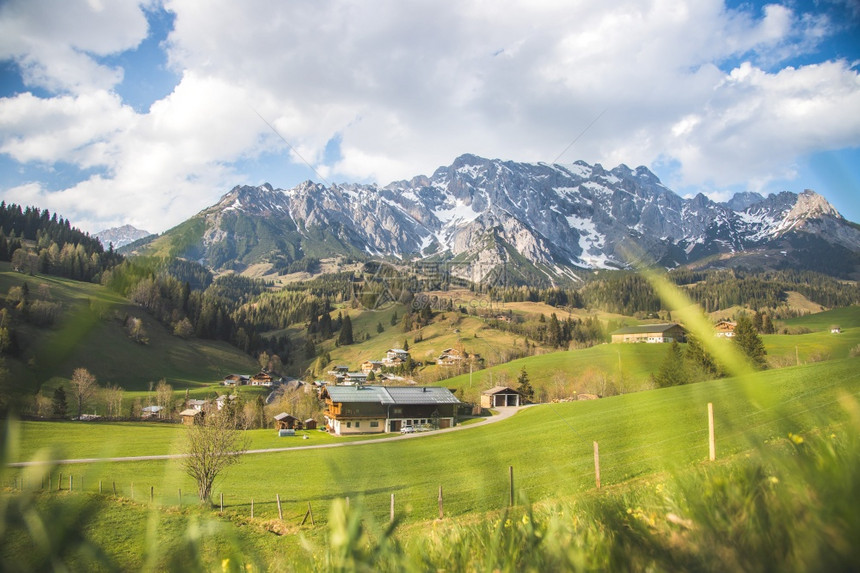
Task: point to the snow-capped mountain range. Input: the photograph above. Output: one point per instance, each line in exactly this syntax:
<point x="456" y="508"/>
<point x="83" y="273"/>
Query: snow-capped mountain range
<point x="541" y="222"/>
<point x="120" y="236"/>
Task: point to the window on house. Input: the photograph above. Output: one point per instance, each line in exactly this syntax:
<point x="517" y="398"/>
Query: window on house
<point x="358" y="424"/>
<point x="349" y="424"/>
<point x="374" y="424"/>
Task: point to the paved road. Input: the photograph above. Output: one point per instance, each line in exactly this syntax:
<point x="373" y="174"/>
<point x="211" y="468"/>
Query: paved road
<point x="504" y="413"/>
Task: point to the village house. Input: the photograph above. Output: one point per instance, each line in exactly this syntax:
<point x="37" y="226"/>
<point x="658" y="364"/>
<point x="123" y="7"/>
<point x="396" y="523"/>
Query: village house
<point x="380" y="409"/>
<point x="725" y="329"/>
<point x="190" y="416"/>
<point x="372" y="366"/>
<point x="236" y="380"/>
<point x="395" y="357"/>
<point x="262" y="378"/>
<point x="500" y="397"/>
<point x="649" y="333"/>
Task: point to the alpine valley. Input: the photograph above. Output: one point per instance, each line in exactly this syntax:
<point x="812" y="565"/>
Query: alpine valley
<point x="545" y="224"/>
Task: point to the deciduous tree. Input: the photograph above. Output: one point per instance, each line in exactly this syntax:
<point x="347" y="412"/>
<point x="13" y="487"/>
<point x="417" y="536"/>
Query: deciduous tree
<point x="212" y="446"/>
<point x="84" y="387"/>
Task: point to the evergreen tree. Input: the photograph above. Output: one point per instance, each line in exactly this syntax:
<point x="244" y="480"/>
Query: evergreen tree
<point x="700" y="358"/>
<point x="58" y="403"/>
<point x="379" y="328"/>
<point x="524" y="387"/>
<point x="394" y="319"/>
<point x="672" y="371"/>
<point x="749" y="342"/>
<point x="345" y="336"/>
<point x="758" y="322"/>
<point x="767" y="325"/>
<point x="405" y="345"/>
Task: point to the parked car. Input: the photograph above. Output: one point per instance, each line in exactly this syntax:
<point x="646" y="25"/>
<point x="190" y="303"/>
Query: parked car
<point x="407" y="430"/>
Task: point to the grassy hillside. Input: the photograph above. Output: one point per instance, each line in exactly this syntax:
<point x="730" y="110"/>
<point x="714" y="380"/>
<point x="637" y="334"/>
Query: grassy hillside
<point x="89" y="333"/>
<point x="848" y="317"/>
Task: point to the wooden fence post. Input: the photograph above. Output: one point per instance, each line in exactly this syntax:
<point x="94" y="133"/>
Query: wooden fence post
<point x="60" y="482"/>
<point x="511" y="479"/>
<point x="252" y="508"/>
<point x="311" y="513"/>
<point x="712" y="445"/>
<point x="596" y="465"/>
<point x="441" y="513"/>
<point x="280" y="513"/>
<point x="151" y="493"/>
<point x="180" y="497"/>
<point x="70" y="482"/>
<point x="391" y="512"/>
<point x="114" y="489"/>
<point x="222" y="503"/>
<point x="100" y="486"/>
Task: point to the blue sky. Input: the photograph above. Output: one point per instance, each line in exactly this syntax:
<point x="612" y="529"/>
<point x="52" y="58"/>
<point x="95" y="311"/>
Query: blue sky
<point x="147" y="112"/>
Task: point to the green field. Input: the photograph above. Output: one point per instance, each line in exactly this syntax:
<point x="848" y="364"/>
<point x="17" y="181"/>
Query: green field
<point x="550" y="447"/>
<point x="848" y="317"/>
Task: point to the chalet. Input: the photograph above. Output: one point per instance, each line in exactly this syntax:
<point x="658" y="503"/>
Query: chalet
<point x="262" y="378"/>
<point x="395" y="357"/>
<point x="372" y="366"/>
<point x="355" y="378"/>
<point x="652" y="333"/>
<point x="835" y="330"/>
<point x="451" y="357"/>
<point x="236" y="380"/>
<point x="284" y="421"/>
<point x="380" y="409"/>
<point x="190" y="416"/>
<point x="725" y="329"/>
<point x="499" y="397"/>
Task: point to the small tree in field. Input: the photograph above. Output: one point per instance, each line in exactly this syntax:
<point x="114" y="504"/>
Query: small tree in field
<point x="524" y="387"/>
<point x="212" y="446"/>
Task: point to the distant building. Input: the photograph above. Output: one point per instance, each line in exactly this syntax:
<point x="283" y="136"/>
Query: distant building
<point x="236" y="380"/>
<point x="835" y="330"/>
<point x="395" y="357"/>
<point x="650" y="333"/>
<point x="284" y="421"/>
<point x="372" y="366"/>
<point x="725" y="329"/>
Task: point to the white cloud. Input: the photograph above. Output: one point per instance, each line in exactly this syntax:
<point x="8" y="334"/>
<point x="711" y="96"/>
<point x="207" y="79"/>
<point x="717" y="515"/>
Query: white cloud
<point x="53" y="43"/>
<point x="408" y="86"/>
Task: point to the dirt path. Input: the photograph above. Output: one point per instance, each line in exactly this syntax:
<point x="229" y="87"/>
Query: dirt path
<point x="504" y="414"/>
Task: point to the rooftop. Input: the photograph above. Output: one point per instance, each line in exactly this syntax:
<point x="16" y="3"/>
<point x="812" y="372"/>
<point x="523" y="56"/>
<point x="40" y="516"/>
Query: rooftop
<point x="645" y="328"/>
<point x="392" y="394"/>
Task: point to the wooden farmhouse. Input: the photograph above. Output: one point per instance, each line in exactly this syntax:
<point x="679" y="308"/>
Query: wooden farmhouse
<point x="262" y="378"/>
<point x="190" y="416"/>
<point x="651" y="333"/>
<point x="236" y="380"/>
<point x="395" y="357"/>
<point x="451" y="357"/>
<point x="372" y="366"/>
<point x="310" y="424"/>
<point x="284" y="421"/>
<point x="725" y="329"/>
<point x="500" y="397"/>
<point x="380" y="409"/>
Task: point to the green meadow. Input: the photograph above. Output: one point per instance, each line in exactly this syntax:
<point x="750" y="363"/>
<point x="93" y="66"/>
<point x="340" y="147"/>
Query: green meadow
<point x="549" y="446"/>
